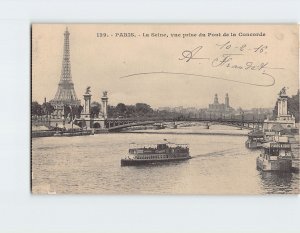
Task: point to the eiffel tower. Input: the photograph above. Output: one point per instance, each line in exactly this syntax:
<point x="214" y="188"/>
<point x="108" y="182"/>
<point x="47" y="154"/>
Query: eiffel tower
<point x="65" y="94"/>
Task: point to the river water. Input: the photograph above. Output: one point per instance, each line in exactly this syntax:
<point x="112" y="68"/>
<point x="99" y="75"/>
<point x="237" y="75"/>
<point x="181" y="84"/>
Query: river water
<point x="91" y="165"/>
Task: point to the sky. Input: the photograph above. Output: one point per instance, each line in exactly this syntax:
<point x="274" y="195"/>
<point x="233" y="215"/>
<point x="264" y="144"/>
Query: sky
<point x="171" y="70"/>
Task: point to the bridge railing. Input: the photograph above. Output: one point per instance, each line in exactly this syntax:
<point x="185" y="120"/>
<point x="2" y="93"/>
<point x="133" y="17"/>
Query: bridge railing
<point x="216" y="119"/>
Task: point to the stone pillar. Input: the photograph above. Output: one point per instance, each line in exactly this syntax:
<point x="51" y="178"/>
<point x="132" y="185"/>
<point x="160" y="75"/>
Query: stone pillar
<point x="87" y="103"/>
<point x="104" y="100"/>
<point x="282" y="103"/>
<point x="86" y="113"/>
<point x="282" y="106"/>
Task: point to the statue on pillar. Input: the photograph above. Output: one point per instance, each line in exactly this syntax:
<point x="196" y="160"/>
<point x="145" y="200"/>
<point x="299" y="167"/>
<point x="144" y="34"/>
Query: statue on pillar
<point x="88" y="90"/>
<point x="104" y="99"/>
<point x="282" y="91"/>
<point x="87" y="103"/>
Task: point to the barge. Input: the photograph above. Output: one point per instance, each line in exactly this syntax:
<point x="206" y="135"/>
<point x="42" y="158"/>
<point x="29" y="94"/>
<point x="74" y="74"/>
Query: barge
<point x="73" y="133"/>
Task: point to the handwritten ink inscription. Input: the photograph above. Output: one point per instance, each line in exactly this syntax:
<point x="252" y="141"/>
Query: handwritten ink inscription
<point x="230" y="57"/>
<point x="248" y="59"/>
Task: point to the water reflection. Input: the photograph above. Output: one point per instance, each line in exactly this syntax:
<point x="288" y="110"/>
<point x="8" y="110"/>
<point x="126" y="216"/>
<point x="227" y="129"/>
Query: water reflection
<point x="277" y="182"/>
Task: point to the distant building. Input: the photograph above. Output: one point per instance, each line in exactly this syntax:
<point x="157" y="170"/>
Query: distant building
<point x="65" y="94"/>
<point x="265" y="111"/>
<point x="220" y="108"/>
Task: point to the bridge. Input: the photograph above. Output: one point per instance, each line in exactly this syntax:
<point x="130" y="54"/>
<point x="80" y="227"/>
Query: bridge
<point x="117" y="124"/>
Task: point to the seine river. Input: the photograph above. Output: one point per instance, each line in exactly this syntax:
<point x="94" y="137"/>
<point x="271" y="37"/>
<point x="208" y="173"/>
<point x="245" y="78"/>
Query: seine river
<point x="91" y="165"/>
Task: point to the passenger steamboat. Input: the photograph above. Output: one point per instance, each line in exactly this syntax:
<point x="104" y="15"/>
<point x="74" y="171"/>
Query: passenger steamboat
<point x="152" y="154"/>
<point x="275" y="156"/>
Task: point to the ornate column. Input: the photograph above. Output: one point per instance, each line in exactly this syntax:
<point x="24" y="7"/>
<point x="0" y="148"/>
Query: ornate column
<point x="104" y="100"/>
<point x="282" y="103"/>
<point x="87" y="104"/>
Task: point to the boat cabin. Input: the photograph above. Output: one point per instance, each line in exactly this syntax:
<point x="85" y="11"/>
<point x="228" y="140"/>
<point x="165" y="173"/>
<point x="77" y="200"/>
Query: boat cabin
<point x="278" y="149"/>
<point x="159" y="148"/>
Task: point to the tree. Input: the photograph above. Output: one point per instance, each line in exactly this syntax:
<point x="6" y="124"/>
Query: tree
<point x="72" y="111"/>
<point x="121" y="109"/>
<point x="293" y="106"/>
<point x="137" y="110"/>
<point x="95" y="109"/>
<point x="67" y="111"/>
<point x="143" y="109"/>
<point x="36" y="109"/>
<point x="48" y="109"/>
<point x="111" y="112"/>
<point x="77" y="111"/>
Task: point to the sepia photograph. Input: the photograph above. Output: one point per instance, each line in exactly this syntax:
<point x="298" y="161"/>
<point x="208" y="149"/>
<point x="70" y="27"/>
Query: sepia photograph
<point x="184" y="109"/>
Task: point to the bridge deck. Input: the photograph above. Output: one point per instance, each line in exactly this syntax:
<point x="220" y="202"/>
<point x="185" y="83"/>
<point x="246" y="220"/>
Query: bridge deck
<point x="120" y="123"/>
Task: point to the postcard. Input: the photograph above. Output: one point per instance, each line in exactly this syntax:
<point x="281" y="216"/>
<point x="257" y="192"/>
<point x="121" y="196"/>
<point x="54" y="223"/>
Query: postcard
<point x="165" y="109"/>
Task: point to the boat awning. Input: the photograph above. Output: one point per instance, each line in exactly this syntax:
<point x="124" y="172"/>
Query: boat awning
<point x="277" y="128"/>
<point x="266" y="145"/>
<point x="276" y="145"/>
<point x="256" y="134"/>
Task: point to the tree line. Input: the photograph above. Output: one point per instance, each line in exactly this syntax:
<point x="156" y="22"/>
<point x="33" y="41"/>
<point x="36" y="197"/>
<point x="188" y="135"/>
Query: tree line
<point x="41" y="109"/>
<point x="122" y="110"/>
<point x="46" y="109"/>
<point x="128" y="111"/>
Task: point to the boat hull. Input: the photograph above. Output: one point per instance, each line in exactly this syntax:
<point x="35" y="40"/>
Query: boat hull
<point x="72" y="134"/>
<point x="253" y="144"/>
<point x="274" y="165"/>
<point x="136" y="162"/>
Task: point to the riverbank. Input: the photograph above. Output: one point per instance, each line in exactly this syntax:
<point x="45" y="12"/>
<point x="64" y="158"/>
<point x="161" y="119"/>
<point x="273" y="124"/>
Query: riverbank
<point x="218" y="130"/>
<point x="191" y="130"/>
<point x="186" y="133"/>
<point x="67" y="133"/>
